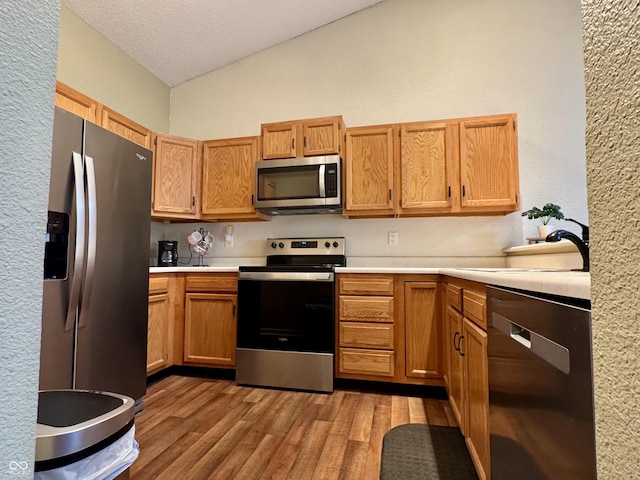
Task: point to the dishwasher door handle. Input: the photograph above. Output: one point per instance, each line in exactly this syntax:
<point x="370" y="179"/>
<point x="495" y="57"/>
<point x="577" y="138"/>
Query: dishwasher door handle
<point x="551" y="352"/>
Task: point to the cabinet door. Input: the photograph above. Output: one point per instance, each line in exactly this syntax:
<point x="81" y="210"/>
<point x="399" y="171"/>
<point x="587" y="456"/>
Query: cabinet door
<point x="422" y="330"/>
<point x="158" y="332"/>
<point x="428" y="158"/>
<point x="454" y="320"/>
<point x="368" y="172"/>
<point x="176" y="166"/>
<point x="228" y="178"/>
<point x="280" y="139"/>
<point x="476" y="381"/>
<point x="210" y="328"/>
<point x="322" y="136"/>
<point x="117" y="123"/>
<point x="75" y="102"/>
<point x="489" y="163"/>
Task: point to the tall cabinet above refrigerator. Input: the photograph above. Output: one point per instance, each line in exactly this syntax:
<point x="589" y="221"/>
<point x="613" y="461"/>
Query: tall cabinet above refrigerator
<point x="94" y="318"/>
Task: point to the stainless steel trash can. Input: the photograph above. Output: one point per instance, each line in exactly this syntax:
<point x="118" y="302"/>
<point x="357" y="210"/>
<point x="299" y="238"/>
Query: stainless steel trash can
<point x="86" y="431"/>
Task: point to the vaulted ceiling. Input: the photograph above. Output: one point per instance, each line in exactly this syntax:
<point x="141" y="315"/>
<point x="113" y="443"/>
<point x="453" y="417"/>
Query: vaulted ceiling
<point x="178" y="41"/>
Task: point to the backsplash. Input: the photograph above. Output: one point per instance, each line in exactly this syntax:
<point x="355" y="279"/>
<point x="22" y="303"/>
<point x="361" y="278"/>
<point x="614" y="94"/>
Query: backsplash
<point x="437" y="241"/>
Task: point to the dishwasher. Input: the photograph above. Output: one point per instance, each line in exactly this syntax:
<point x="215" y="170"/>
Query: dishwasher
<point x="541" y="409"/>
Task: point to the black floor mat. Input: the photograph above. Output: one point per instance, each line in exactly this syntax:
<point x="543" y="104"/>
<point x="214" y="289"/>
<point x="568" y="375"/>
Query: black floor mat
<point x="426" y="452"/>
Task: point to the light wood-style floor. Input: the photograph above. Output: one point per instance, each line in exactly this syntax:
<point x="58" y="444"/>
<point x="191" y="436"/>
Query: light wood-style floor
<point x="197" y="428"/>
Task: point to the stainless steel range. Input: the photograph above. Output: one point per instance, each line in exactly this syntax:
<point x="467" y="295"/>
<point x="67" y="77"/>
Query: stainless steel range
<point x="286" y="315"/>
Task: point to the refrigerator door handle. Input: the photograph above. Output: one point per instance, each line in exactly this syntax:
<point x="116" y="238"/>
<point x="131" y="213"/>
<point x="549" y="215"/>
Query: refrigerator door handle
<point x="79" y="258"/>
<point x="92" y="235"/>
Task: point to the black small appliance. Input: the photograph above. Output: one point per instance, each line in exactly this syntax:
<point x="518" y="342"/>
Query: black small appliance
<point x="167" y="253"/>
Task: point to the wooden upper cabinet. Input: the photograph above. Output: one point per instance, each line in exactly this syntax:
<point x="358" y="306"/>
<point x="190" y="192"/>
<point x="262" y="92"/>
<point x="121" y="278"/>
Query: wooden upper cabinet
<point x="228" y="179"/>
<point x="75" y="102"/>
<point x="279" y="140"/>
<point x="368" y="171"/>
<point x="489" y="163"/>
<point x="428" y="167"/>
<point x="91" y="110"/>
<point x="176" y="167"/>
<point x="323" y="136"/>
<point x="117" y="123"/>
<point x="303" y="138"/>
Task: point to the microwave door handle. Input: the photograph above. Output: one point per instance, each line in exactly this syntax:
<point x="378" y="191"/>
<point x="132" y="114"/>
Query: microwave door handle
<point x="79" y="257"/>
<point x="321" y="179"/>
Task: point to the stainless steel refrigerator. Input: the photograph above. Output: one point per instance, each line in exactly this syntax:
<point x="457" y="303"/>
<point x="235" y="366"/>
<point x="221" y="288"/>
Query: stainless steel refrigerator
<point x="94" y="318"/>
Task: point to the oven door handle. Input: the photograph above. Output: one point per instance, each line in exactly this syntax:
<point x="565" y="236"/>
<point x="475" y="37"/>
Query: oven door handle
<point x="287" y="276"/>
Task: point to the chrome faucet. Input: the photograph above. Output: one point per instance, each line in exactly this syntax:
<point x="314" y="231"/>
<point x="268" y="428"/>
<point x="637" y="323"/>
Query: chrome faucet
<point x="583" y="246"/>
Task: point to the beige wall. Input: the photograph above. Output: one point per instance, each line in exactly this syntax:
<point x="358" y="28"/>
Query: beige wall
<point x="90" y="63"/>
<point x="407" y="60"/>
<point x="612" y="72"/>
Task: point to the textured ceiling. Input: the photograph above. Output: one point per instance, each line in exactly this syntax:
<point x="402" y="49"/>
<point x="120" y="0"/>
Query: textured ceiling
<point x="178" y="41"/>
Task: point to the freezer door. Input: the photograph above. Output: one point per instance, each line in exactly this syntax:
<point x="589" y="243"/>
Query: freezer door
<point x="112" y="331"/>
<point x="56" y="352"/>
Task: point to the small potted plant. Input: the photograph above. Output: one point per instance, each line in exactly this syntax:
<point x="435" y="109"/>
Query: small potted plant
<point x="545" y="214"/>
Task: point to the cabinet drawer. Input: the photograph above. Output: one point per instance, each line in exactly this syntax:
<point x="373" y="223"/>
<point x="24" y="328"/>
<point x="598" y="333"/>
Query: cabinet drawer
<point x="211" y="283"/>
<point x="362" y="285"/>
<point x="454" y="297"/>
<point x="371" y="309"/>
<point x="368" y="362"/>
<point x="474" y="308"/>
<point x="158" y="284"/>
<point x="366" y="335"/>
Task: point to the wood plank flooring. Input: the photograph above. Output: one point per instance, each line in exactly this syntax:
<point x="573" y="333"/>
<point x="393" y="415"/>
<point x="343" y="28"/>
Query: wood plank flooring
<point x="198" y="428"/>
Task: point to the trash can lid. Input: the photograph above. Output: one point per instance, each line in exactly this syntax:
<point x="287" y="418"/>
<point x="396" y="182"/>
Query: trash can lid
<point x="70" y="421"/>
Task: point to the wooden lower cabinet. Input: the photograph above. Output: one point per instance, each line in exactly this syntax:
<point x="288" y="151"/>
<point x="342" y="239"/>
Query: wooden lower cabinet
<point x="455" y="364"/>
<point x="468" y="369"/>
<point x="422" y="331"/>
<point x="210" y="320"/>
<point x="476" y="386"/>
<point x="157" y="338"/>
<point x="365" y="324"/>
<point x="389" y="328"/>
<point x="210" y="328"/>
<point x="160" y="324"/>
<point x="367" y="362"/>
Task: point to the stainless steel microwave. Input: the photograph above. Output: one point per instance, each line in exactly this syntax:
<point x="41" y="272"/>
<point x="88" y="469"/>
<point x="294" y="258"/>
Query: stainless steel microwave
<point x="299" y="185"/>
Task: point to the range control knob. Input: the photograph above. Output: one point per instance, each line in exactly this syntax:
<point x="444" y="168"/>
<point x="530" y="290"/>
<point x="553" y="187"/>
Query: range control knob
<point x="281" y="245"/>
<point x="273" y="245"/>
<point x="327" y="244"/>
<point x="335" y="244"/>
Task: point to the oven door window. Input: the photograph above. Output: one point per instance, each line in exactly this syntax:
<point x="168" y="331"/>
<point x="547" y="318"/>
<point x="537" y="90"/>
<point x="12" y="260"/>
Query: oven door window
<point x="289" y="183"/>
<point x="286" y="315"/>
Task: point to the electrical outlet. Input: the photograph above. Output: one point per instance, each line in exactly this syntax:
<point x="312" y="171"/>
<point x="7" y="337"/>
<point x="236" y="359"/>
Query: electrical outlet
<point x="393" y="238"/>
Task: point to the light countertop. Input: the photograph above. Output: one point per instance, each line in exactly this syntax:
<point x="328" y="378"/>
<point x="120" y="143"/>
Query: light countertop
<point x="216" y="269"/>
<point x="568" y="284"/>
